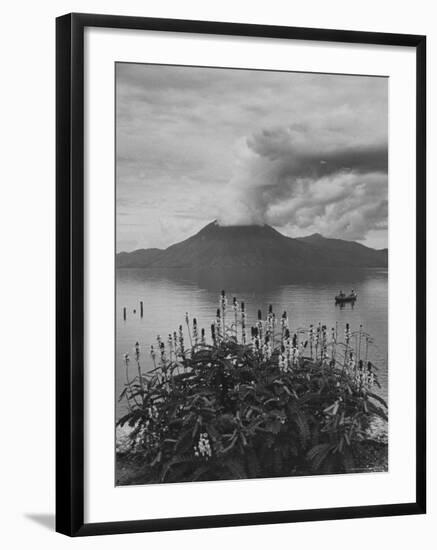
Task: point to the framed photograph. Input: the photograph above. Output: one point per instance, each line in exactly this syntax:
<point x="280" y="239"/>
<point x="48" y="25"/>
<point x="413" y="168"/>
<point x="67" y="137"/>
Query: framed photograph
<point x="240" y="274"/>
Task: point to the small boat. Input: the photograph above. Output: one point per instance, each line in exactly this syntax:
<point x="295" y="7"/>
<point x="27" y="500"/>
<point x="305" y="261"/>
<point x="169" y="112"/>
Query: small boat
<point x="342" y="298"/>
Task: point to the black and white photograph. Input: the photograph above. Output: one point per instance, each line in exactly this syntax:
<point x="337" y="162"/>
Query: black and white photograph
<point x="251" y="274"/>
<point x="217" y="292"/>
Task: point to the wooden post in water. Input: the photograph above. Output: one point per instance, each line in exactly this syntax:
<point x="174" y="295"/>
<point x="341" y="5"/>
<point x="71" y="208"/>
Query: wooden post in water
<point x="124" y="314"/>
<point x="141" y="309"/>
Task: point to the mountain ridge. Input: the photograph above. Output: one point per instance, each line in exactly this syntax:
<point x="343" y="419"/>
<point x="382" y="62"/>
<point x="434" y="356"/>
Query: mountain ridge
<point x="252" y="246"/>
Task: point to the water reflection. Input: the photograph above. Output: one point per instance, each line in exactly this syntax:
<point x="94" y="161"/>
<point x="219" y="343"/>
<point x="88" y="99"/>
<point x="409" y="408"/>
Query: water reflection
<point x="250" y="280"/>
<point x="343" y="305"/>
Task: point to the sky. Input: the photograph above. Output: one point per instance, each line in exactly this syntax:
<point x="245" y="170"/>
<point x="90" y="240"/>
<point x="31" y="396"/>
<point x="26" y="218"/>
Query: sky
<point x="303" y="152"/>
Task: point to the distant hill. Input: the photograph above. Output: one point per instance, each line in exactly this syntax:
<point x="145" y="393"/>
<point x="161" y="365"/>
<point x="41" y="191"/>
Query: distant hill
<point x="253" y="246"/>
<point x="138" y="258"/>
<point x="345" y="252"/>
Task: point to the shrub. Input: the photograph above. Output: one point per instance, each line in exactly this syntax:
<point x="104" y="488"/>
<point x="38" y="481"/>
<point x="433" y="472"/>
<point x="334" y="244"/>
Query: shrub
<point x="274" y="404"/>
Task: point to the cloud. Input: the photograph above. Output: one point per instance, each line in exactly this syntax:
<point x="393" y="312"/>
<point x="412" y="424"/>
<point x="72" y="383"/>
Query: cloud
<point x="309" y="178"/>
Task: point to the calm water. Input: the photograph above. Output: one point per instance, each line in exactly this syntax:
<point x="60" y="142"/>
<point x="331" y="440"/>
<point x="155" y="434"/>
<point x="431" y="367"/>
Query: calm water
<point x="307" y="297"/>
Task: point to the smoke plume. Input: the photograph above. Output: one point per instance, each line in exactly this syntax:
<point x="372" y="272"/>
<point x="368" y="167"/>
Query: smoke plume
<point x="309" y="179"/>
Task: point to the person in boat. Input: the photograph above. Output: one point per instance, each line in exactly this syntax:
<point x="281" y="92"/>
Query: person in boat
<point x="341" y="294"/>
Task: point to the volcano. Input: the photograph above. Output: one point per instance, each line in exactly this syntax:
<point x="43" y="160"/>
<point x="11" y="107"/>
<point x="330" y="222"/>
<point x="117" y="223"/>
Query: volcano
<point x="254" y="246"/>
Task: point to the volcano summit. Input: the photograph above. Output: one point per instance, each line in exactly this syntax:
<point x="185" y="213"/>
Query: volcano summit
<point x="254" y="246"/>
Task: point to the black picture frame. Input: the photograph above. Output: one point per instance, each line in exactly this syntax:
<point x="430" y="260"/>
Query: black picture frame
<point x="70" y="273"/>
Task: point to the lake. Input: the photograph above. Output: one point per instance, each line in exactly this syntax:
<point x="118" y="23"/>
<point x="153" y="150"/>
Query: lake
<point x="308" y="298"/>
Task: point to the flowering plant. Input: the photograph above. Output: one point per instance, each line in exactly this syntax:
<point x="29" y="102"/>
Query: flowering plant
<point x="277" y="403"/>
